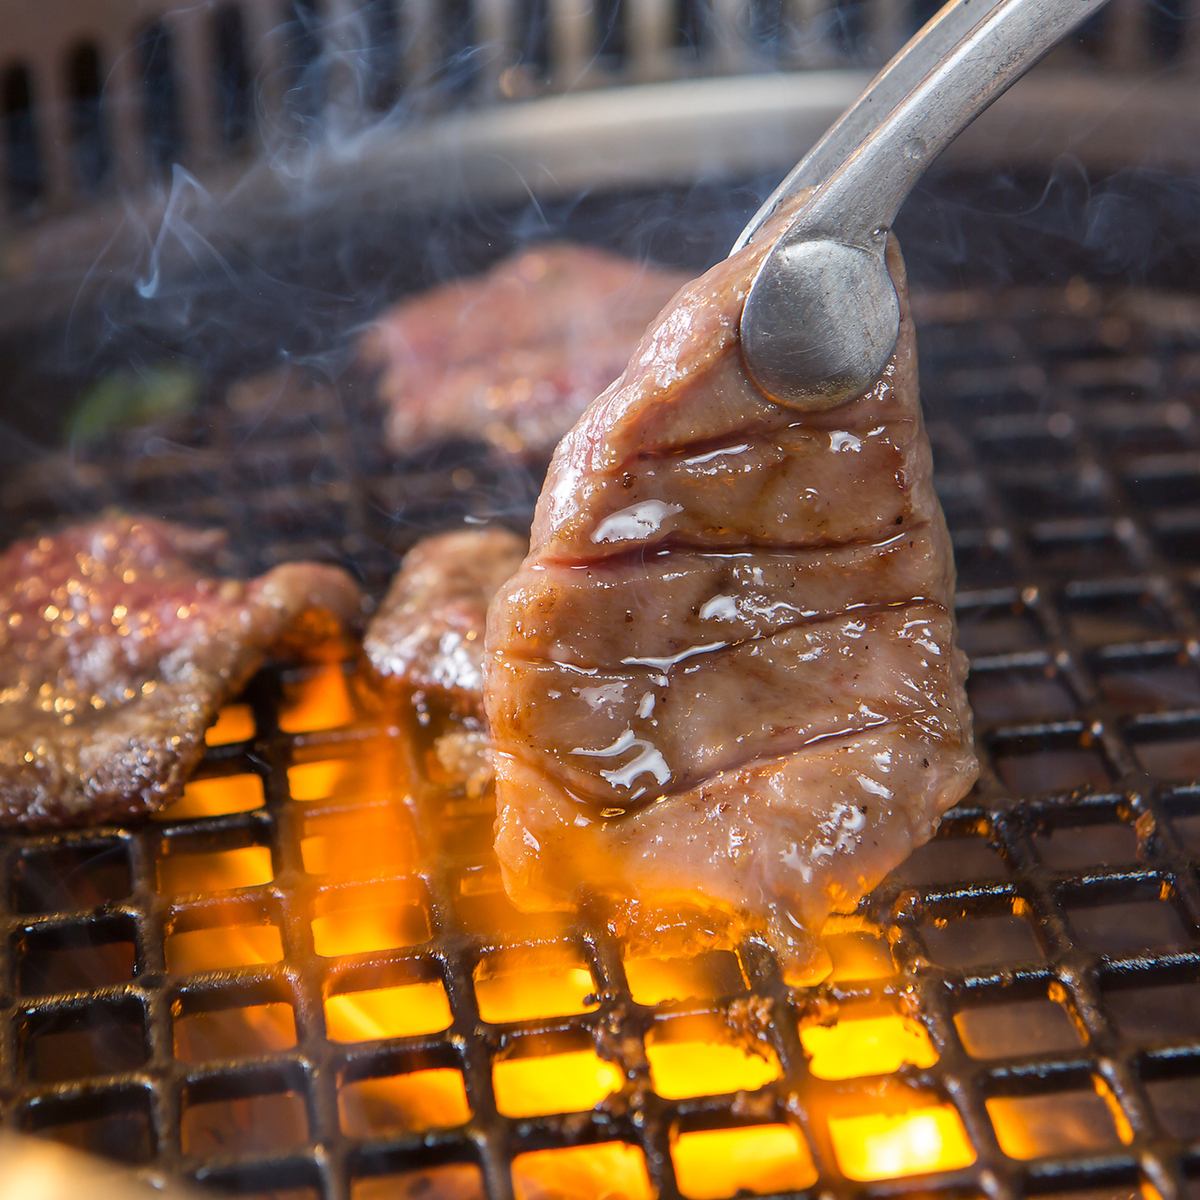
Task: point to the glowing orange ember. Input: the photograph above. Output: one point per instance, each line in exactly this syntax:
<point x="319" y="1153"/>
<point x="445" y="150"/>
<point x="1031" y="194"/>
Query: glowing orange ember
<point x="707" y="1065"/>
<point x="234" y="723"/>
<point x="364" y="919"/>
<point x="215" y="871"/>
<point x="357" y="821"/>
<point x="223" y="946"/>
<point x="866" y="1046"/>
<point x="525" y="985"/>
<point x="219" y="796"/>
<point x="886" y="1146"/>
<point x="232" y="1032"/>
<point x="358" y="844"/>
<point x="611" y="1170"/>
<point x="660" y="980"/>
<point x="372" y="772"/>
<point x="406" y="1011"/>
<point x="761" y="1160"/>
<point x="534" y="1085"/>
<point x="434" y="1099"/>
<point x="316" y="700"/>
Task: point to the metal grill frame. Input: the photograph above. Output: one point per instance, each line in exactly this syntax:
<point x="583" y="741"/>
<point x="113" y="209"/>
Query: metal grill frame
<point x="365" y="62"/>
<point x="1058" y="376"/>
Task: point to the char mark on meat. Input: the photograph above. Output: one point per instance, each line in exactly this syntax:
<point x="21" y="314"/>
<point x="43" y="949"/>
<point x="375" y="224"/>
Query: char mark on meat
<point x="726" y="674"/>
<point x="119" y="645"/>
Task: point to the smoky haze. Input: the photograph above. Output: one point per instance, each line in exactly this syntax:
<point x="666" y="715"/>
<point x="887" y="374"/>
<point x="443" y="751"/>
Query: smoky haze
<point x="359" y="170"/>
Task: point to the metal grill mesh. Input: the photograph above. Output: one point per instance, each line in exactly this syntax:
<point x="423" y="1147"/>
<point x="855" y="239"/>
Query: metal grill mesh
<point x="1045" y="948"/>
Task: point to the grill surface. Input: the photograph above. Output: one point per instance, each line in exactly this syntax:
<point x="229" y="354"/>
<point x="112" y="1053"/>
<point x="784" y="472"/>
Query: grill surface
<point x="1048" y="942"/>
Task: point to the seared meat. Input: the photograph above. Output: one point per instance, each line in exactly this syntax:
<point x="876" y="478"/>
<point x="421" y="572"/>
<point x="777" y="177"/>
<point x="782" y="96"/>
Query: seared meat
<point x="428" y="633"/>
<point x="118" y="648"/>
<point x="726" y="674"/>
<point x="284" y="391"/>
<point x="466" y="757"/>
<point x="514" y="356"/>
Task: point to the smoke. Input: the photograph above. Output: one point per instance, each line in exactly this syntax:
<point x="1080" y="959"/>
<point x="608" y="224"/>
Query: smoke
<point x="175" y="225"/>
<point x="1135" y="225"/>
<point x="358" y="169"/>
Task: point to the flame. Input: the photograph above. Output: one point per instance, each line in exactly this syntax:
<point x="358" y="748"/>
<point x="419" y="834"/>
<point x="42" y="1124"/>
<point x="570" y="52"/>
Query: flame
<point x="234" y="1032"/>
<point x="234" y="723"/>
<point x="365" y="919"/>
<point x="358" y="844"/>
<point x="220" y="947"/>
<point x="357" y="835"/>
<point x="707" y="1066"/>
<point x="889" y="1146"/>
<point x="219" y="796"/>
<point x="611" y="1170"/>
<point x="858" y="950"/>
<point x="1058" y="1122"/>
<point x="655" y="981"/>
<point x="372" y="772"/>
<point x="317" y="700"/>
<point x="535" y="1085"/>
<point x="487" y="913"/>
<point x="866" y="1046"/>
<point x="377" y="1013"/>
<point x="435" y="1099"/>
<point x="761" y="1160"/>
<point x="214" y="871"/>
<point x="523" y="986"/>
<point x="852" y="950"/>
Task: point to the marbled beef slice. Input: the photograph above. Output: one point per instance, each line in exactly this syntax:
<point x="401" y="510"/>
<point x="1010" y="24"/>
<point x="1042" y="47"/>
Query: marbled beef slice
<point x="427" y="636"/>
<point x="726" y="674"/>
<point x="118" y="646"/>
<point x="513" y="356"/>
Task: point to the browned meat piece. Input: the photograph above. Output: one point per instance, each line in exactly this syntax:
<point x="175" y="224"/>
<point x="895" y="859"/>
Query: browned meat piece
<point x="726" y="674"/>
<point x="118" y="648"/>
<point x="515" y="355"/>
<point x="428" y="634"/>
<point x="286" y="391"/>
<point x="466" y="757"/>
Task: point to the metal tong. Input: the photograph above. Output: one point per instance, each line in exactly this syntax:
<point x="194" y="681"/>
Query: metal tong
<point x="822" y="315"/>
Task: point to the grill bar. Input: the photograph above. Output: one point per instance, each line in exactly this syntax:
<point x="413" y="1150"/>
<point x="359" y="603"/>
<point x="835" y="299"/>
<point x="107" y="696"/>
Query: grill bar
<point x="1067" y="440"/>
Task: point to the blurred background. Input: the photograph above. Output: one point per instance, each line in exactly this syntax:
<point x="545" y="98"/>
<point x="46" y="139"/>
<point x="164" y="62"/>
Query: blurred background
<point x="207" y="186"/>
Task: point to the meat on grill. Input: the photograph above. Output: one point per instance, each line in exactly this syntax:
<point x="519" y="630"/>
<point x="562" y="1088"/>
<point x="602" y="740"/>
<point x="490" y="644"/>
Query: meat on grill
<point x="428" y="633"/>
<point x="514" y="356"/>
<point x="118" y="646"/>
<point x="726" y="674"/>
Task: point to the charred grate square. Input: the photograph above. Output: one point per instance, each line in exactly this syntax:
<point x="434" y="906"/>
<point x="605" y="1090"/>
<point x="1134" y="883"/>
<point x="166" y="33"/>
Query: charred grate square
<point x="305" y="980"/>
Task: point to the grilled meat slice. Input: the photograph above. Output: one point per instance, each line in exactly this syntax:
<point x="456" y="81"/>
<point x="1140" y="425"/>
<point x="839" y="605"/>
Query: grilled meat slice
<point x="513" y="356"/>
<point x="726" y="674"/>
<point x="466" y="757"/>
<point x="428" y="633"/>
<point x="118" y="647"/>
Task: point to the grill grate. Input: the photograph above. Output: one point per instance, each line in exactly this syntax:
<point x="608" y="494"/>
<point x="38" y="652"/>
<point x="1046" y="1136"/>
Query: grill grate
<point x="175" y="994"/>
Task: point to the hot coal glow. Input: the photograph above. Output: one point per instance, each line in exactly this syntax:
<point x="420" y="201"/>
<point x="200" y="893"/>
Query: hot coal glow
<point x="384" y="847"/>
<point x="325" y="892"/>
<point x="875" y="1146"/>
